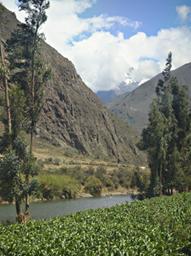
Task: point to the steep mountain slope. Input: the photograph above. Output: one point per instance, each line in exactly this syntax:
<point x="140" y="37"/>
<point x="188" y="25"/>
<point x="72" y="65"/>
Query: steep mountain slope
<point x="72" y="115"/>
<point x="134" y="107"/>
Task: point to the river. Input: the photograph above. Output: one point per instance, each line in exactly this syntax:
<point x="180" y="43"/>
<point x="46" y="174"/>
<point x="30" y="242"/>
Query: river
<point x="44" y="210"/>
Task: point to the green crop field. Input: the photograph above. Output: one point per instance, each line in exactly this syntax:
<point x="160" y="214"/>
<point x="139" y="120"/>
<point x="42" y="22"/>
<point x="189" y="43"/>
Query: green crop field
<point x="159" y="226"/>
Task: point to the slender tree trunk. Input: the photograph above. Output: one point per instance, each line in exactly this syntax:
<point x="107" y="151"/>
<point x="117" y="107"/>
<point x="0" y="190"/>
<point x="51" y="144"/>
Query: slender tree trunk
<point x="6" y="88"/>
<point x="160" y="181"/>
<point x="31" y="140"/>
<point x="32" y="107"/>
<point x="19" y="215"/>
<point x="18" y="206"/>
<point x="27" y="203"/>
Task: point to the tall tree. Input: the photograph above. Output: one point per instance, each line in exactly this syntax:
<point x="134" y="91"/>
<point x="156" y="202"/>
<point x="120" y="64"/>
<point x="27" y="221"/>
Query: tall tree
<point x="36" y="10"/>
<point x="167" y="138"/>
<point x="153" y="141"/>
<point x="27" y="78"/>
<point x="28" y="71"/>
<point x="155" y="136"/>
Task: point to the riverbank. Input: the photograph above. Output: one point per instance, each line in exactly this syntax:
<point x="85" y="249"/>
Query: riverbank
<point x="105" y="193"/>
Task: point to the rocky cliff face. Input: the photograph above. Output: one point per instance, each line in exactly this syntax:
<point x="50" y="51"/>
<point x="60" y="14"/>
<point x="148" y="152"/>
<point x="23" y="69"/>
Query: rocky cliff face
<point x="134" y="107"/>
<point x="72" y="115"/>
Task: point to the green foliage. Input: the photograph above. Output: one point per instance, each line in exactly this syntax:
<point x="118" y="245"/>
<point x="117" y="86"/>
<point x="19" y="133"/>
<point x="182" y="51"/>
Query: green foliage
<point x="167" y="137"/>
<point x="111" y="179"/>
<point x="58" y="186"/>
<point x="93" y="186"/>
<point x="158" y="226"/>
<point x="18" y="108"/>
<point x="36" y="10"/>
<point x="124" y="176"/>
<point x="101" y="174"/>
<point x="20" y="50"/>
<point x="28" y="72"/>
<point x="76" y="172"/>
<point x="10" y="177"/>
<point x="140" y="181"/>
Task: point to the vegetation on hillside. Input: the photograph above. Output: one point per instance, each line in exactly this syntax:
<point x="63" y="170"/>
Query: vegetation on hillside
<point x="158" y="226"/>
<point x="93" y="178"/>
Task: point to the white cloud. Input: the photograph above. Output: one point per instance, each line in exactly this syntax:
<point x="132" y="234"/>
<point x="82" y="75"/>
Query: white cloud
<point x="102" y="58"/>
<point x="64" y="22"/>
<point x="184" y="12"/>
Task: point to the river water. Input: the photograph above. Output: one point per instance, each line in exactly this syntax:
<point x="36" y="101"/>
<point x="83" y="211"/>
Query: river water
<point x="44" y="210"/>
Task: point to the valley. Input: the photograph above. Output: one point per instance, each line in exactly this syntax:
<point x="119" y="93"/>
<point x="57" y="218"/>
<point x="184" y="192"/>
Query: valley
<point x="93" y="159"/>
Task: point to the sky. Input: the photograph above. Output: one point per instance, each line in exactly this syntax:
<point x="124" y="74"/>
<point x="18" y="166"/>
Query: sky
<point x="110" y="40"/>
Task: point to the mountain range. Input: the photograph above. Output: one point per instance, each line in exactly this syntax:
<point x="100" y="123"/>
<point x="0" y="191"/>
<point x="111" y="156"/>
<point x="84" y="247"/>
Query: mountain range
<point x="126" y="86"/>
<point x="134" y="107"/>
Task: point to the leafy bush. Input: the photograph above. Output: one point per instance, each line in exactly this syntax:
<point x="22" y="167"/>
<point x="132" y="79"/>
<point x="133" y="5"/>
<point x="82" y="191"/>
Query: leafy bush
<point x="124" y="177"/>
<point x="93" y="186"/>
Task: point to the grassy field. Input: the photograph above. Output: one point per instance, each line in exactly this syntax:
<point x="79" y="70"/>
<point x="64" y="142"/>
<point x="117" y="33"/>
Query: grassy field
<point x="159" y="226"/>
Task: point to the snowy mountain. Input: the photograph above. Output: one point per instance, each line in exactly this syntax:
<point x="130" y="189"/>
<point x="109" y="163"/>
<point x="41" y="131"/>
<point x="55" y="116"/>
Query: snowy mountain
<point x="126" y="86"/>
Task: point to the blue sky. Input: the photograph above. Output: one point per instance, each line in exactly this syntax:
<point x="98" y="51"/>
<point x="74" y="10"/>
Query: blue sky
<point x="107" y="38"/>
<point x="153" y="14"/>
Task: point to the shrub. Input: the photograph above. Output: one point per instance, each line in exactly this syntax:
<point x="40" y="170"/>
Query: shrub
<point x="101" y="174"/>
<point x="93" y="186"/>
<point x="124" y="176"/>
<point x="115" y="179"/>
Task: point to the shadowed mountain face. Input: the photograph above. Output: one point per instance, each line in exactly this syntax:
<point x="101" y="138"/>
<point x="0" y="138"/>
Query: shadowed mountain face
<point x="134" y="107"/>
<point x="72" y="115"/>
